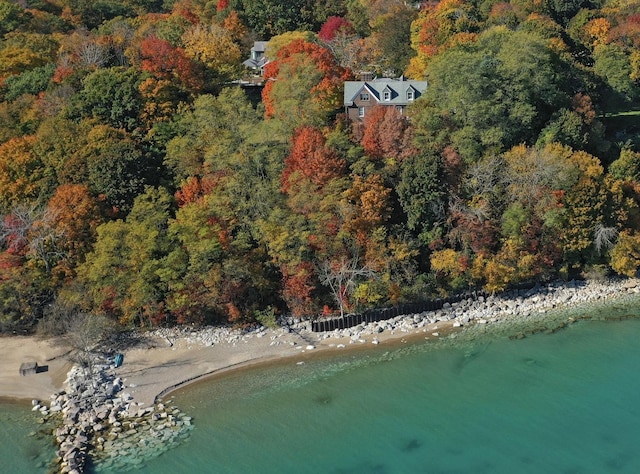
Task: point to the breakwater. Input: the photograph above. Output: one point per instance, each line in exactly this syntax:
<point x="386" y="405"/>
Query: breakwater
<point x="98" y="425"/>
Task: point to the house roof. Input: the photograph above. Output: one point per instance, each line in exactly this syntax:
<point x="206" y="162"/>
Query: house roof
<point x="260" y="46"/>
<point x="396" y="87"/>
<point x="257" y="59"/>
<point x="256" y="63"/>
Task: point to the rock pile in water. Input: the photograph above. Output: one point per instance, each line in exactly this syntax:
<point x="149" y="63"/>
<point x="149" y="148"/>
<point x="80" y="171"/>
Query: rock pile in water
<point x="99" y="424"/>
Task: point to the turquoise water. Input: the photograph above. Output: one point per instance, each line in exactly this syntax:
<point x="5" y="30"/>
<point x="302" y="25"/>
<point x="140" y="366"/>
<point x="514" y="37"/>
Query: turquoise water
<point x="565" y="402"/>
<point x="25" y="445"/>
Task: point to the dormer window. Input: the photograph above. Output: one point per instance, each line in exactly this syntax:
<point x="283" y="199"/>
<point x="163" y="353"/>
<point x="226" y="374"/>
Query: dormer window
<point x="386" y="95"/>
<point x="364" y="96"/>
<point x="410" y="95"/>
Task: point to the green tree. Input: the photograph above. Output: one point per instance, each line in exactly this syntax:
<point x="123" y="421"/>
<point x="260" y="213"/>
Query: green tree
<point x="613" y="64"/>
<point x="116" y="168"/>
<point x="627" y="166"/>
<point x="392" y="35"/>
<point x="123" y="272"/>
<point x="268" y="18"/>
<point x="11" y="17"/>
<point x="29" y="82"/>
<point x="110" y="96"/>
<point x="422" y="194"/>
<point x="493" y="94"/>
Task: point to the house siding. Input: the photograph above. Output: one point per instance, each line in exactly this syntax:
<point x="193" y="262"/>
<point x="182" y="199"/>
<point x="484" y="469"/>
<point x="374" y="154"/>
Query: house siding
<point x="398" y="95"/>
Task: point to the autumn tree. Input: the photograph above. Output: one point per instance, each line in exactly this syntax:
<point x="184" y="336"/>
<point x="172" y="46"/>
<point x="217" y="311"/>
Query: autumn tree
<point x="625" y="255"/>
<point x="310" y="159"/>
<point x="165" y="61"/>
<point x="333" y="26"/>
<point x="22" y="173"/>
<point x="214" y="48"/>
<point x="350" y="50"/>
<point x="304" y="85"/>
<point x="75" y="215"/>
<point x="438" y="27"/>
<point x="387" y="134"/>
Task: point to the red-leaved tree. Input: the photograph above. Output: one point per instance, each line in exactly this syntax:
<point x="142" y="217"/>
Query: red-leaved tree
<point x="165" y="61"/>
<point x="387" y="134"/>
<point x="310" y="159"/>
<point x="332" y="26"/>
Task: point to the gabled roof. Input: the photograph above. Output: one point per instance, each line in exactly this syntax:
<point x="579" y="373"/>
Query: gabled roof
<point x="376" y="87"/>
<point x="256" y="63"/>
<point x="257" y="59"/>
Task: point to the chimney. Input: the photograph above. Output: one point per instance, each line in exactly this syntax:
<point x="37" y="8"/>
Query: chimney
<point x="366" y="76"/>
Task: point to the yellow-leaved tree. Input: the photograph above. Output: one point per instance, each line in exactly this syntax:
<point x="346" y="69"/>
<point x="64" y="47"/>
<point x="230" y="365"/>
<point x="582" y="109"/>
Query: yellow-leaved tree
<point x="213" y="46"/>
<point x="625" y="255"/>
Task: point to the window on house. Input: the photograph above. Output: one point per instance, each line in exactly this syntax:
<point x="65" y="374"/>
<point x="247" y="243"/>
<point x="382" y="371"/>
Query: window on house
<point x="410" y="95"/>
<point x="364" y="96"/>
<point x="387" y="95"/>
<point x="360" y="112"/>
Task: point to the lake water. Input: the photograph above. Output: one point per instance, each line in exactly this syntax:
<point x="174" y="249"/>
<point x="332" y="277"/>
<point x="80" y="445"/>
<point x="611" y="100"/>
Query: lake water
<point x="565" y="402"/>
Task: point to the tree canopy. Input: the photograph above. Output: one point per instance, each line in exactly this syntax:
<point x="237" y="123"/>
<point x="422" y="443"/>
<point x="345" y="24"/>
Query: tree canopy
<point x="147" y="176"/>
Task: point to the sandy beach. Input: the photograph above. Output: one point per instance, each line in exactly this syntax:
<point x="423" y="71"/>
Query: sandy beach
<point x="51" y="358"/>
<point x="159" y="363"/>
<point x="166" y="358"/>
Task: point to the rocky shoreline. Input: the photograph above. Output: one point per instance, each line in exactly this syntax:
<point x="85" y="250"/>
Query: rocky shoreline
<point x="522" y="305"/>
<point x="515" y="306"/>
<point x="99" y="423"/>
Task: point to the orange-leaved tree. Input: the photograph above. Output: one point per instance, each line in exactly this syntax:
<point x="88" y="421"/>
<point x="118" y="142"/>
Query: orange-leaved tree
<point x="310" y="159"/>
<point x="304" y="84"/>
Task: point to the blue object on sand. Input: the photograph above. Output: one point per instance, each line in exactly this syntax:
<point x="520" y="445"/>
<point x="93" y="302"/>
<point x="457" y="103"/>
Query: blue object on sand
<point x="118" y="360"/>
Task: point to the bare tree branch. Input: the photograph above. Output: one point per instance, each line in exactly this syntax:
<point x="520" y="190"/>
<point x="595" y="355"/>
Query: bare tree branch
<point x="342" y="276"/>
<point x="604" y="238"/>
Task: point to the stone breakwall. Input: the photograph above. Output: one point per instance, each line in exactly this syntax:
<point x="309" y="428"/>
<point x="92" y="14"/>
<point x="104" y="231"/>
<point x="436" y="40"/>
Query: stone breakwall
<point x="98" y="424"/>
<point x="516" y="305"/>
<point x="522" y="305"/>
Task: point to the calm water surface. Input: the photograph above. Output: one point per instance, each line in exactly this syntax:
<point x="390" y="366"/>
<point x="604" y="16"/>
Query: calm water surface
<point x="552" y="403"/>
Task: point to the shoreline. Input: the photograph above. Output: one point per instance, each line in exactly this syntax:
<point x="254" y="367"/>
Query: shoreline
<point x="170" y="359"/>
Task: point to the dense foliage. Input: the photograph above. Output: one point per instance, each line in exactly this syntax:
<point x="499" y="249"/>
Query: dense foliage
<point x="139" y="182"/>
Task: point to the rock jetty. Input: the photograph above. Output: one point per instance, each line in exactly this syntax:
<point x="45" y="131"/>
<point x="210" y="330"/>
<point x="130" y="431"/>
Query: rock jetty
<point x="98" y="423"/>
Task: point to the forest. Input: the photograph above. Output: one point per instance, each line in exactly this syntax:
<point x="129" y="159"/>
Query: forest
<point x="141" y="183"/>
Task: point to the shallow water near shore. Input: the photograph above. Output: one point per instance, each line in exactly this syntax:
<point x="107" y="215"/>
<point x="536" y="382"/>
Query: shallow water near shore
<point x="23" y="448"/>
<point x="561" y="402"/>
